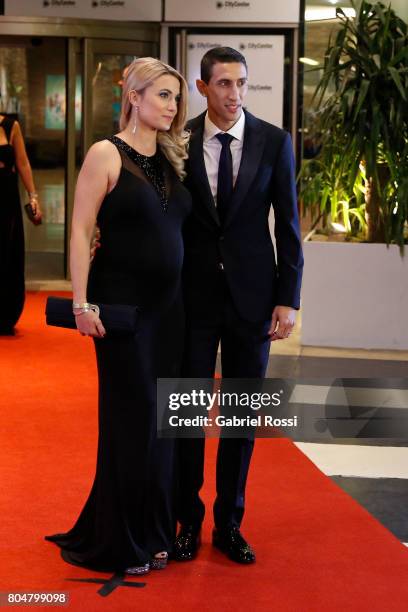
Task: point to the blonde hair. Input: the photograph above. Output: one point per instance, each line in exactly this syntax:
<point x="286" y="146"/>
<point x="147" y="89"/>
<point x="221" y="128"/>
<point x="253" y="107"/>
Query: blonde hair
<point x="141" y="73"/>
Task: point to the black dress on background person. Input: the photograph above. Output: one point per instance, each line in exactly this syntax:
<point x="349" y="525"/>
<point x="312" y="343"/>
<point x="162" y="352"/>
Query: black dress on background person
<point x="11" y="237"/>
<point x="129" y="515"/>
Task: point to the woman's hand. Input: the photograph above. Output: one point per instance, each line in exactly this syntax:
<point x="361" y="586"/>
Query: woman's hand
<point x="89" y="324"/>
<point x="36" y="209"/>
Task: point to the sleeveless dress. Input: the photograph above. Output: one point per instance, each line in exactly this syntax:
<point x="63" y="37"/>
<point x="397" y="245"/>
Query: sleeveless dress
<point x="129" y="515"/>
<point x="11" y="237"/>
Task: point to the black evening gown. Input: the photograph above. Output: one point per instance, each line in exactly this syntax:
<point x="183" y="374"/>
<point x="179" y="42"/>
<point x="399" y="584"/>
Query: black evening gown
<point x="11" y="237"/>
<point x="129" y="515"/>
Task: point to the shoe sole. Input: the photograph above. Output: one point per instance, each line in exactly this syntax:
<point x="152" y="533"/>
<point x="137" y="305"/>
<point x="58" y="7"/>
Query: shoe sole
<point x="141" y="571"/>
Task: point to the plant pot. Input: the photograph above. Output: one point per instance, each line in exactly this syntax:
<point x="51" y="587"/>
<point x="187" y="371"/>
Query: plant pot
<point x="355" y="296"/>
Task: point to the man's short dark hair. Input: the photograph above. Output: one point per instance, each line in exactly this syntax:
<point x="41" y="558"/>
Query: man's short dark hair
<point x="221" y="55"/>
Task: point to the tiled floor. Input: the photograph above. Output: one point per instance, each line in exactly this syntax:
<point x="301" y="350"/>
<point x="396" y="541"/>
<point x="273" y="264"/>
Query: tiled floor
<point x="373" y="470"/>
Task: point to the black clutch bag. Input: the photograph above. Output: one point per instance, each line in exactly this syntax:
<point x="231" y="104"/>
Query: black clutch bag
<point x="116" y="318"/>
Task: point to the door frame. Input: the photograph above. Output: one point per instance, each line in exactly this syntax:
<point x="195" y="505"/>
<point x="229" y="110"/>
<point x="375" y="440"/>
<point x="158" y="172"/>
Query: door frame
<point x="69" y="27"/>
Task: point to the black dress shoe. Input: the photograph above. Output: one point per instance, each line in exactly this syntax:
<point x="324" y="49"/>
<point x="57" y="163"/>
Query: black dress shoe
<point x="187" y="543"/>
<point x="231" y="542"/>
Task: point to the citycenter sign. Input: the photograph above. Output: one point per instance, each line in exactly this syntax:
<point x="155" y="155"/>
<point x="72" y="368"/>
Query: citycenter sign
<point x="113" y="10"/>
<point x="204" y="11"/>
<point x="237" y="11"/>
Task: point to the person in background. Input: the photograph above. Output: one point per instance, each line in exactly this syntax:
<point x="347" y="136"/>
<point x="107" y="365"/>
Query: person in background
<point x="13" y="163"/>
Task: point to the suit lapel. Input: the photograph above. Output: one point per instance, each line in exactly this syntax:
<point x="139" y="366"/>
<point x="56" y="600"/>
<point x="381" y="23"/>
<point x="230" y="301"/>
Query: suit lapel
<point x="254" y="142"/>
<point x="197" y="171"/>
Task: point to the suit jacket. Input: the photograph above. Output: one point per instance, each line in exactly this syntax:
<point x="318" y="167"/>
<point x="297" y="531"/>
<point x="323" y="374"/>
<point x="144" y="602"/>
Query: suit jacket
<point x="257" y="280"/>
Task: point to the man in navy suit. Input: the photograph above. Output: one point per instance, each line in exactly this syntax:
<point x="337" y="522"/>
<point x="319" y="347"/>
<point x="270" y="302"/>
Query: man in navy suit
<point x="237" y="293"/>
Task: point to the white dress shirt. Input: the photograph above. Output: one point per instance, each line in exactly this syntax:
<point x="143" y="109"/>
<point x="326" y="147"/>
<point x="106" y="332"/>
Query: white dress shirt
<point x="212" y="150"/>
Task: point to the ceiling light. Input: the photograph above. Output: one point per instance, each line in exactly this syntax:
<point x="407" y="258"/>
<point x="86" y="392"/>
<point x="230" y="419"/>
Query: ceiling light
<point x="309" y="61"/>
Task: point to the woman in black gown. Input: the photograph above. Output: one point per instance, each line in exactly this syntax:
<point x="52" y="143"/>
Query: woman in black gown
<point x="129" y="184"/>
<point x="13" y="162"/>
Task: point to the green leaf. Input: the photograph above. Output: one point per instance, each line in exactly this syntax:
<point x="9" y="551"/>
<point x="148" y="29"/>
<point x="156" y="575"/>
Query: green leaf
<point x="365" y="85"/>
<point x="377" y="60"/>
<point x="359" y="215"/>
<point x="396" y="78"/>
<point x="324" y="198"/>
<point x="399" y="57"/>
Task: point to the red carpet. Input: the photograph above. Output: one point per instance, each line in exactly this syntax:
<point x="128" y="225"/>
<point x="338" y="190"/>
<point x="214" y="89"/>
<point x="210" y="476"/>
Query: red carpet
<point x="317" y="549"/>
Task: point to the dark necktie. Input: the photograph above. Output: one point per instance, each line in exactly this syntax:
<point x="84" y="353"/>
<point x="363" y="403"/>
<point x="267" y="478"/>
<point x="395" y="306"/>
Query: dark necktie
<point x="224" y="184"/>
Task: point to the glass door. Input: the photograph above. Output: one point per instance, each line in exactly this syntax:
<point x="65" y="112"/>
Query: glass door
<point x="104" y="64"/>
<point x="66" y="94"/>
<point x="32" y="90"/>
<point x="95" y="70"/>
<point x="94" y="98"/>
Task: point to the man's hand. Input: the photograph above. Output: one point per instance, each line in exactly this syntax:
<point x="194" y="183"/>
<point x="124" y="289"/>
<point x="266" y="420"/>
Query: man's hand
<point x="95" y="242"/>
<point x="283" y="322"/>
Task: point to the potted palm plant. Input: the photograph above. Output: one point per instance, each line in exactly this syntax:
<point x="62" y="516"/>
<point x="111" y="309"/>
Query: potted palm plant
<point x="359" y="179"/>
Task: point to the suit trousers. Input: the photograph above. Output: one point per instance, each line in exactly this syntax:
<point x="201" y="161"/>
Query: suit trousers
<point x="244" y="354"/>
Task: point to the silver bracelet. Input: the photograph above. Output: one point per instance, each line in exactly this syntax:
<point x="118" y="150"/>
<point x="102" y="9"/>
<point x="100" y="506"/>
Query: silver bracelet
<point x="84" y="307"/>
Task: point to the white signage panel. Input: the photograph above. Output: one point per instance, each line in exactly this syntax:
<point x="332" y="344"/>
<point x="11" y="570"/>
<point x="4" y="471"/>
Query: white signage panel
<point x="248" y="11"/>
<point x="265" y="55"/>
<point x="120" y="10"/>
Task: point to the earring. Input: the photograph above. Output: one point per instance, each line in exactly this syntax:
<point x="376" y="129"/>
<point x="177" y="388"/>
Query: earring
<point x="134" y="123"/>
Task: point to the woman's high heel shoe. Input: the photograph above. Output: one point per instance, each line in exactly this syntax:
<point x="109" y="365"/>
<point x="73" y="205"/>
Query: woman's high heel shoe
<point x="159" y="562"/>
<point x="138" y="570"/>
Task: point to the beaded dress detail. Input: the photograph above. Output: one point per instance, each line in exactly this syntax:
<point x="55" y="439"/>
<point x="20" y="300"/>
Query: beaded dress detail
<point x="151" y="166"/>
